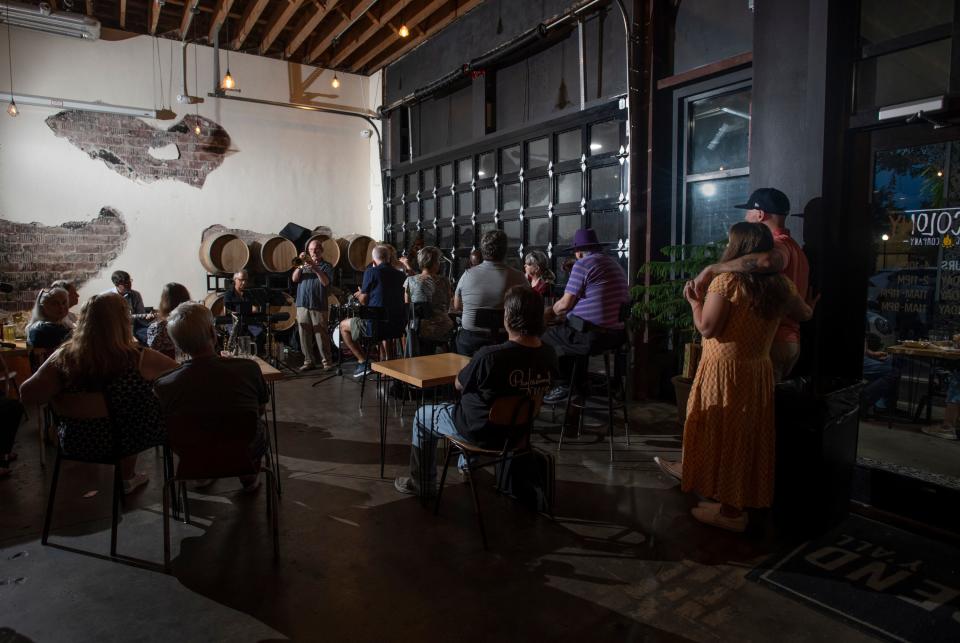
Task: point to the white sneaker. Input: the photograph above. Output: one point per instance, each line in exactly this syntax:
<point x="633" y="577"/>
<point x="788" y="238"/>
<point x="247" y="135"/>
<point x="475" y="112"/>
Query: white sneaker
<point x="134" y="483"/>
<point x="672" y="469"/>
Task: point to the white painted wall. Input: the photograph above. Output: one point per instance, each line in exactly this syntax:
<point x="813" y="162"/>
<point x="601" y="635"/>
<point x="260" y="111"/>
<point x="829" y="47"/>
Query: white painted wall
<point x="287" y="165"/>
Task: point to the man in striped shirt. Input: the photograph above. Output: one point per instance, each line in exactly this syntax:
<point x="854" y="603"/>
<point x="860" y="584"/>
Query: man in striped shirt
<point x="592" y="301"/>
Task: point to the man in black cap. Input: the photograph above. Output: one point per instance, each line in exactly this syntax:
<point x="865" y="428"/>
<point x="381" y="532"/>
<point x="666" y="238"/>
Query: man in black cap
<point x="591" y="300"/>
<point x="770" y="207"/>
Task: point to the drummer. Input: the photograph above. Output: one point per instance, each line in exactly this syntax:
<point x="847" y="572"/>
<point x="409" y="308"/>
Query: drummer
<point x="313" y="279"/>
<point x="238" y="300"/>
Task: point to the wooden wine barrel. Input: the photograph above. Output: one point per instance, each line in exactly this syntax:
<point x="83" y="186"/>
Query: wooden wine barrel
<point x="214" y="301"/>
<point x="331" y="250"/>
<point x="359" y="251"/>
<point x="273" y="254"/>
<point x="289" y="307"/>
<point x="223" y="253"/>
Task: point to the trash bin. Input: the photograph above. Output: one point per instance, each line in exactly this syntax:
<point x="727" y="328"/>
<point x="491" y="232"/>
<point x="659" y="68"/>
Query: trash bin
<point x="817" y="424"/>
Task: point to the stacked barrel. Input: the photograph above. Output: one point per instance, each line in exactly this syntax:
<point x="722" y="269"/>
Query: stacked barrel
<point x="224" y="253"/>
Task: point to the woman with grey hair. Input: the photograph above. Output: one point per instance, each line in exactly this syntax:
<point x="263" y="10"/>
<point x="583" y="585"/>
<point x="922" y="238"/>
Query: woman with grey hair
<point x="430" y="288"/>
<point x="70" y="321"/>
<point x="46" y="328"/>
<point x="536" y="266"/>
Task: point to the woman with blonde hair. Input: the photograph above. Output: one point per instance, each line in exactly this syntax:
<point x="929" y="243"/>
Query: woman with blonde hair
<point x="102" y="356"/>
<point x="173" y="295"/>
<point x="47" y="328"/>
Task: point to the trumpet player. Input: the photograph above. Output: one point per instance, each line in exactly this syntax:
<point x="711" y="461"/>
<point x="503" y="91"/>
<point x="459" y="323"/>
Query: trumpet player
<point x="313" y="277"/>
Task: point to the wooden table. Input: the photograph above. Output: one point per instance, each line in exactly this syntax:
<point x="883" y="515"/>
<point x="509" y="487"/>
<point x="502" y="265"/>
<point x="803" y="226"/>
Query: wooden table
<point x="428" y="371"/>
<point x="933" y="354"/>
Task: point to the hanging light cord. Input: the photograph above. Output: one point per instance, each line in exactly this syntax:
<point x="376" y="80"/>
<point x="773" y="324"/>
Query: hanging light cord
<point x="10" y="50"/>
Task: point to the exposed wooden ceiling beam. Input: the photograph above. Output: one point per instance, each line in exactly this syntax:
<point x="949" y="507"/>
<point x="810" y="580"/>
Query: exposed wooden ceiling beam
<point x="154" y="17"/>
<point x="425" y="34"/>
<point x="189" y="10"/>
<point x="345" y="49"/>
<point x="390" y="37"/>
<point x="249" y="19"/>
<point x="279" y="20"/>
<point x="306" y="28"/>
<point x="219" y="16"/>
<point x="90" y="7"/>
<point x="123" y="14"/>
<point x="345" y="19"/>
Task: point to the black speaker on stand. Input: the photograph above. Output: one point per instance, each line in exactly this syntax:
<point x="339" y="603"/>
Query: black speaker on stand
<point x="297" y="234"/>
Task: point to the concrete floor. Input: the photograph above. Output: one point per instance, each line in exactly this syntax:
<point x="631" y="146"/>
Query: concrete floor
<point x="622" y="561"/>
<point x="904" y="446"/>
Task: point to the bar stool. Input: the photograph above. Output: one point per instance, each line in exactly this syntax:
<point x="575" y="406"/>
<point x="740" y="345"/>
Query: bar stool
<point x="617" y="378"/>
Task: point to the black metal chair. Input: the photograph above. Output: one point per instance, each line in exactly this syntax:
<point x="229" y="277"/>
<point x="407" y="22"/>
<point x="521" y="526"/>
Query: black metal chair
<point x="614" y="385"/>
<point x="379" y="337"/>
<point x="88" y="406"/>
<point x="217" y="446"/>
<point x="515" y="416"/>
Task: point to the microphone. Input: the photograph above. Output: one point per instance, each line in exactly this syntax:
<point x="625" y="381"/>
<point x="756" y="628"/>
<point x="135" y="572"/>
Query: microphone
<point x="5" y="287"/>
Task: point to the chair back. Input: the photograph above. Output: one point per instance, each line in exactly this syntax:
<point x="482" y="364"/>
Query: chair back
<point x="490" y="319"/>
<point x="213" y="445"/>
<point x="80" y="406"/>
<point x="515" y="415"/>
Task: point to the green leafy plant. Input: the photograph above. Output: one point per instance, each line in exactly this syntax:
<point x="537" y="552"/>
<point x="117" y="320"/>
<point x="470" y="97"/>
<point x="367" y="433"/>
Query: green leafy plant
<point x="661" y="303"/>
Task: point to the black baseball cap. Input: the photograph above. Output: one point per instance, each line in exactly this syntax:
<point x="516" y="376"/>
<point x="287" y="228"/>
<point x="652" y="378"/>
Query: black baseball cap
<point x="770" y="200"/>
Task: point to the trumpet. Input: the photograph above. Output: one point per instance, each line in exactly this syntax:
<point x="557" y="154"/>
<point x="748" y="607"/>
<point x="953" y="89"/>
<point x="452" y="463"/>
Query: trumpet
<point x="297" y="262"/>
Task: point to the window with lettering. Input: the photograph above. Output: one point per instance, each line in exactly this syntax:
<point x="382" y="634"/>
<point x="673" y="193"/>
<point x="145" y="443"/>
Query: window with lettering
<point x="914" y="293"/>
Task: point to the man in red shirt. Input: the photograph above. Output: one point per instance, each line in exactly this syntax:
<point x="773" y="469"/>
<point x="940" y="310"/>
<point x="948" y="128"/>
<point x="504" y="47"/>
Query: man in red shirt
<point x="770" y="207"/>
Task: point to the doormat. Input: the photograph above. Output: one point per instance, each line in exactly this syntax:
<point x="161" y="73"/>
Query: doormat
<point x="890" y="582"/>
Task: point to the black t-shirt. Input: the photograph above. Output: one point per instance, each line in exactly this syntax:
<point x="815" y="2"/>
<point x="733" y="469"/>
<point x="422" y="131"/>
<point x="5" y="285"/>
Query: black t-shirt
<point x="47" y="335"/>
<point x="500" y="371"/>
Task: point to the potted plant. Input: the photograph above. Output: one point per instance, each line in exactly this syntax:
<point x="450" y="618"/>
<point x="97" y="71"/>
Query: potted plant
<point x="658" y="300"/>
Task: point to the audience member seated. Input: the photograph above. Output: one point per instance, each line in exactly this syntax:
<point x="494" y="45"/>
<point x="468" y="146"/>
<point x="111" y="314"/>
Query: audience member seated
<point x="430" y="288"/>
<point x="208" y="379"/>
<point x="46" y="328"/>
<point x="11" y="412"/>
<point x="591" y="301"/>
<point x="522" y="365"/>
<point x="882" y="378"/>
<point x="476" y="258"/>
<point x="158" y="338"/>
<point x="123" y="286"/>
<point x="538" y="273"/>
<point x="70" y="321"/>
<point x="729" y="444"/>
<point x="102" y="356"/>
<point x="382" y="288"/>
<point x="483" y="287"/>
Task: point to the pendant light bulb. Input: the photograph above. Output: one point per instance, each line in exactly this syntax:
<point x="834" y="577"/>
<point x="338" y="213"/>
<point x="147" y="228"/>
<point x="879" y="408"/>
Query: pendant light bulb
<point x="12" y="108"/>
<point x="228" y="82"/>
<point x="196" y="129"/>
<point x="335" y="83"/>
<point x="403" y="31"/>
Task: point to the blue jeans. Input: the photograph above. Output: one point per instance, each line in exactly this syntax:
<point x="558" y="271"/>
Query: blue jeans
<point x="430" y="422"/>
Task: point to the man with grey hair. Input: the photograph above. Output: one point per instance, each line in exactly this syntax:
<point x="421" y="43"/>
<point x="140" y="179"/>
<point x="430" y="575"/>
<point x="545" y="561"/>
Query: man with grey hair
<point x="207" y="378"/>
<point x="382" y="288"/>
<point x="484" y="286"/>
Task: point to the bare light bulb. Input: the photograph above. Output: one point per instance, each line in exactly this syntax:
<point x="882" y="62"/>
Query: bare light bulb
<point x="403" y="31"/>
<point x="335" y="83"/>
<point x="228" y="82"/>
<point x="885" y="236"/>
<point x="12" y="108"/>
<point x="196" y="129"/>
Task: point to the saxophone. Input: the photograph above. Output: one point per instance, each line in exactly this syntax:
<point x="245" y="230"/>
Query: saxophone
<point x="231" y="345"/>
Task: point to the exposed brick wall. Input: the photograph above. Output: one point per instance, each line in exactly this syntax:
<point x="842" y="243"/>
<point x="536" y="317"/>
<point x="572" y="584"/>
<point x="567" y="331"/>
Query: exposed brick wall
<point x="33" y="256"/>
<point x="124" y="144"/>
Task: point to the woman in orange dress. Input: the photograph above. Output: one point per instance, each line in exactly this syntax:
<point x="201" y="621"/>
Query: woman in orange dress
<point x="729" y="439"/>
